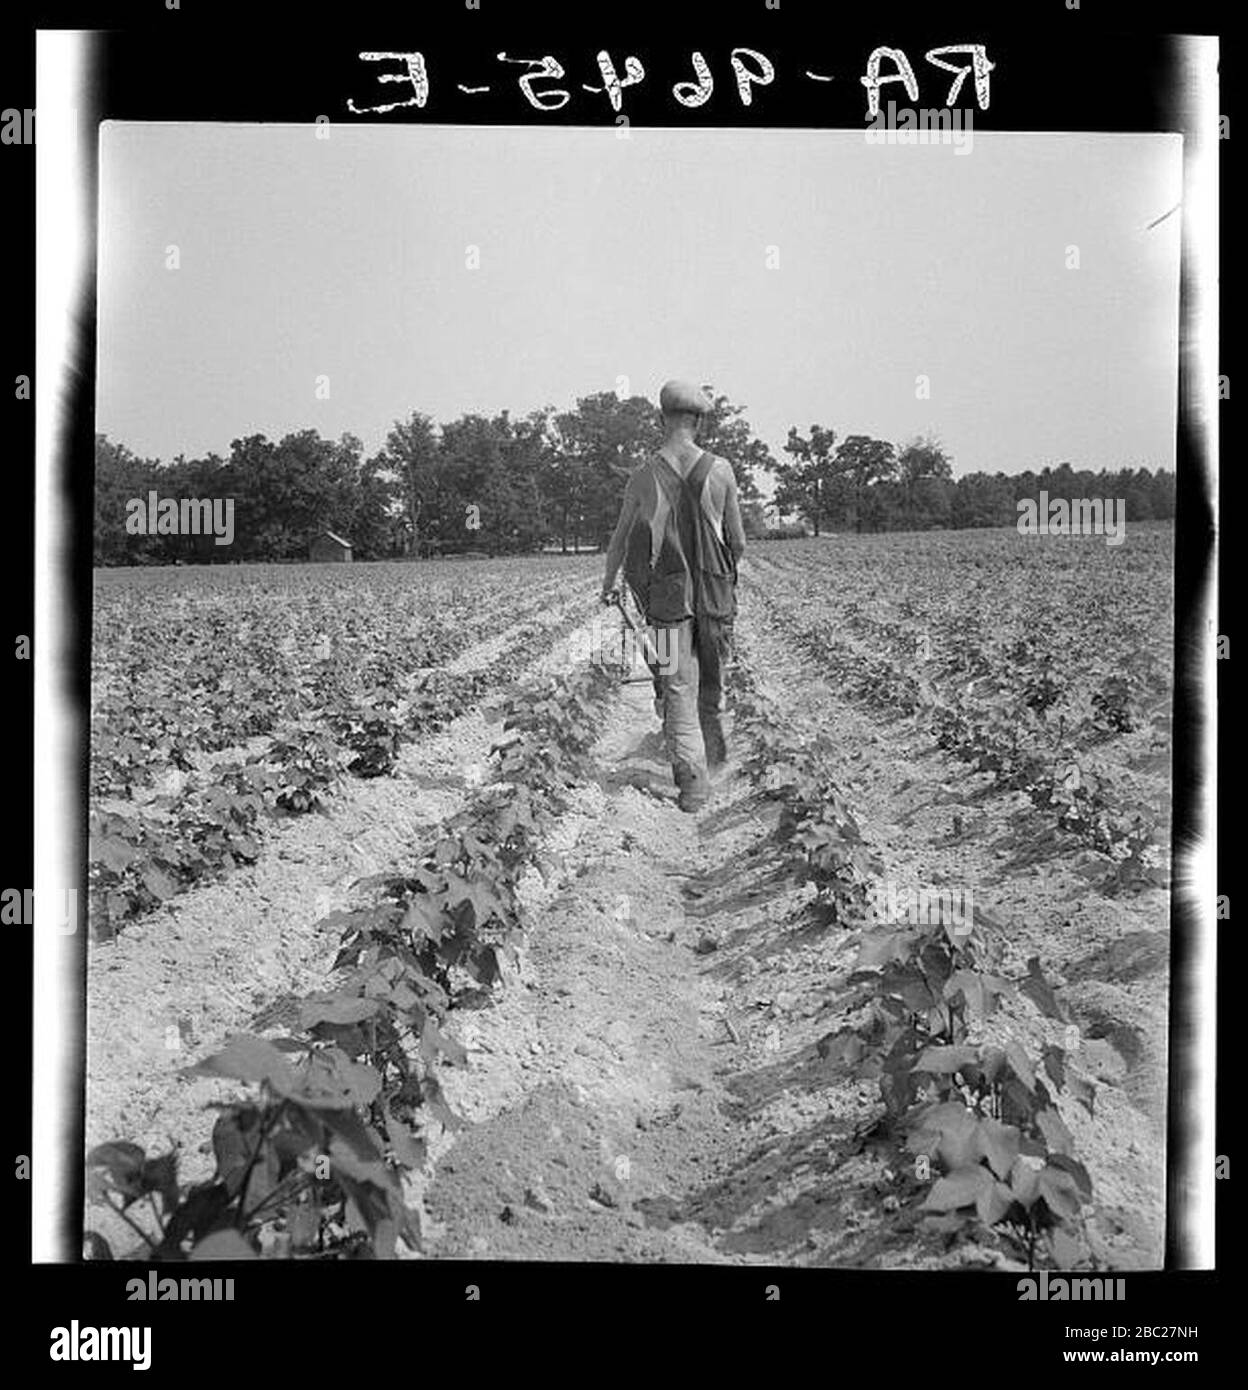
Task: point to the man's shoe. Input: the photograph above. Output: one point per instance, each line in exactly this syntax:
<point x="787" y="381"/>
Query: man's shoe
<point x="694" y="791"/>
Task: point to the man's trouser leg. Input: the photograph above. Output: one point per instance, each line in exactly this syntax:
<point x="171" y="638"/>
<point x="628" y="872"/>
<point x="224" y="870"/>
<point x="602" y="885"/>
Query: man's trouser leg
<point x="713" y="644"/>
<point x="677" y="678"/>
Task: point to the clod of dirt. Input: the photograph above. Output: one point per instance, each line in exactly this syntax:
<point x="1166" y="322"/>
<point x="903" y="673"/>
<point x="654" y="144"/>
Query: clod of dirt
<point x="538" y="1198"/>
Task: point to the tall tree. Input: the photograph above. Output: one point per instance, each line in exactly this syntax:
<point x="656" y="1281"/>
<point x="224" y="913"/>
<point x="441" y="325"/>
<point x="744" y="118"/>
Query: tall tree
<point x="596" y="446"/>
<point x="806" y="486"/>
<point x="926" y="477"/>
<point x="411" y="453"/>
<point x="863" y="462"/>
<point x="285" y="492"/>
<point x="376" y="526"/>
<point x="727" y="432"/>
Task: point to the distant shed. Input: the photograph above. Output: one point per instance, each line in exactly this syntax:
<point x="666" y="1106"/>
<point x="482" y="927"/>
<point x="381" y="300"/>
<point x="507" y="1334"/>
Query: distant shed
<point x="331" y="548"/>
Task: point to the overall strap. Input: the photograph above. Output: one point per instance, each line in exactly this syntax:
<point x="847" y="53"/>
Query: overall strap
<point x="697" y="475"/>
<point x="667" y="479"/>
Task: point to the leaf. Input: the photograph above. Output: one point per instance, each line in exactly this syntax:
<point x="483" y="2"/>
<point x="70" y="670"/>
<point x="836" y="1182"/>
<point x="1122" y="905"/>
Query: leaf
<point x="1082" y="1091"/>
<point x="363" y="1140"/>
<point x="484" y="966"/>
<point x="425" y="919"/>
<point x="123" y="1162"/>
<point x="1067" y="1252"/>
<point x="505" y="954"/>
<point x="991" y="1060"/>
<point x="981" y="991"/>
<point x="332" y="1081"/>
<point x="95" y="1247"/>
<point x="1018" y="1104"/>
<point x="160" y="1175"/>
<point x="1083" y="1180"/>
<point x="881" y="946"/>
<point x="1060" y="1191"/>
<point x="409" y="1150"/>
<point x="957" y="932"/>
<point x="223" y="1245"/>
<point x="961" y="1188"/>
<point x="485" y="900"/>
<point x="1056" y="1135"/>
<point x="845" y="1047"/>
<point x="1055" y="1064"/>
<point x="1033" y="1148"/>
<point x="1037" y="988"/>
<point x="248" y="1058"/>
<point x="999" y="1144"/>
<point x="374" y="1200"/>
<point x="914" y="990"/>
<point x="435" y="1102"/>
<point x="345" y="1160"/>
<point x="993" y="1202"/>
<point x="203" y="1210"/>
<point x="113" y="852"/>
<point x="948" y="1130"/>
<point x="942" y="1060"/>
<point x="1024" y="1182"/>
<point x="158" y="883"/>
<point x="385" y="1238"/>
<point x="1021" y="1063"/>
<point x="334" y="1008"/>
<point x="233" y="1143"/>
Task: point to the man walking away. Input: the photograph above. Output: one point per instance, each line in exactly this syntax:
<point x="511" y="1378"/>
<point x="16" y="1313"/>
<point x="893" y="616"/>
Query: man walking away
<point x="679" y="538"/>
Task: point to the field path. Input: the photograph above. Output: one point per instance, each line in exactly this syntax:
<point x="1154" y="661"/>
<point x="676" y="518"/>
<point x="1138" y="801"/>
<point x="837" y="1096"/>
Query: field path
<point x="593" y="1083"/>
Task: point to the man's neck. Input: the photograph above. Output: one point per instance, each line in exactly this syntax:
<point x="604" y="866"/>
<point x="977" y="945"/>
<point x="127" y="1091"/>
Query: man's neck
<point x="682" y="449"/>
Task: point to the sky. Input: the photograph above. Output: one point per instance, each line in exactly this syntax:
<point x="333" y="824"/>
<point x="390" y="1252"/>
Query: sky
<point x="811" y="277"/>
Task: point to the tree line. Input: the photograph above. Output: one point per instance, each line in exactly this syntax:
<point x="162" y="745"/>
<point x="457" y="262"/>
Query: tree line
<point x="506" y="485"/>
<point x="864" y="484"/>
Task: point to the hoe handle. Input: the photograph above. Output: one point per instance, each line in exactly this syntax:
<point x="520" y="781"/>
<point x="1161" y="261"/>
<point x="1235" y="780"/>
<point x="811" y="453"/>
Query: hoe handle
<point x="652" y="656"/>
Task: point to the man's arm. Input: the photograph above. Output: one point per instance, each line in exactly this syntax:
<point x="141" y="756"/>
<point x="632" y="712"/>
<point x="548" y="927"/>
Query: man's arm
<point x="734" y="531"/>
<point x="619" y="537"/>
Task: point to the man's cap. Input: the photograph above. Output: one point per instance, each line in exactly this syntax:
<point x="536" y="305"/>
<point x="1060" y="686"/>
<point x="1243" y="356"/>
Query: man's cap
<point x="680" y="395"/>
